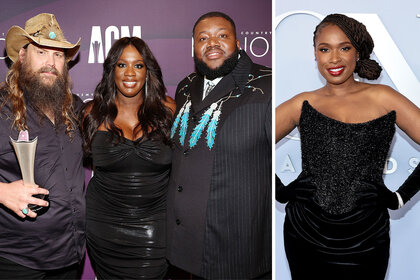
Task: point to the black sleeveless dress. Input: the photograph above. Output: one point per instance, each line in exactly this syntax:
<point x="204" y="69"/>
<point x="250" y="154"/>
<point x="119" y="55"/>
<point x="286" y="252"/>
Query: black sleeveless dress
<point x="126" y="208"/>
<point x="335" y="234"/>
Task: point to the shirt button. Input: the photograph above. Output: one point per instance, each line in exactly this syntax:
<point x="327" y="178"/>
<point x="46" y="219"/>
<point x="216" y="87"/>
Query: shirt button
<point x="186" y="152"/>
<point x="66" y="168"/>
<point x="178" y="221"/>
<point x="194" y="118"/>
<point x="180" y="188"/>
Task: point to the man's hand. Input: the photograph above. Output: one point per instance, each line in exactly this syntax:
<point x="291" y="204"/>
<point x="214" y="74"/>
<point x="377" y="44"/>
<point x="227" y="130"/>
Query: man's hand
<point x="17" y="195"/>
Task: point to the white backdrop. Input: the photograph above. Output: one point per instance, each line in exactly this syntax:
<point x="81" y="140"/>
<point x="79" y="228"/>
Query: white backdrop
<point x="395" y="28"/>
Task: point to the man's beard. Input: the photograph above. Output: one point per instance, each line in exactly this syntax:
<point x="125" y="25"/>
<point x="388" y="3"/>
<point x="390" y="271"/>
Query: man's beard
<point x="47" y="98"/>
<point x="228" y="65"/>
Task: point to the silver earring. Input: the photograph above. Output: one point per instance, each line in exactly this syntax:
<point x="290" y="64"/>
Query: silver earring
<point x="145" y="86"/>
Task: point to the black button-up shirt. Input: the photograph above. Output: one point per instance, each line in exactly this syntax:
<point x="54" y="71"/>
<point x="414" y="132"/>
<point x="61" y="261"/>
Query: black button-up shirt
<point x="56" y="238"/>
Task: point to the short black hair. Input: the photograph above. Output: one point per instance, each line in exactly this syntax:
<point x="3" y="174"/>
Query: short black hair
<point x="216" y="14"/>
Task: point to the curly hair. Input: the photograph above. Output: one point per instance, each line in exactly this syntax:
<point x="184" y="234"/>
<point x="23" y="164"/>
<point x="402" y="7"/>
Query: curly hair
<point x="15" y="96"/>
<point x="360" y="39"/>
<point x="154" y="117"/>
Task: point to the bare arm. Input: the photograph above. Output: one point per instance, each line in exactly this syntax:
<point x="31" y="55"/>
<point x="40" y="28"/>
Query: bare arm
<point x="287" y="116"/>
<point x="408" y="114"/>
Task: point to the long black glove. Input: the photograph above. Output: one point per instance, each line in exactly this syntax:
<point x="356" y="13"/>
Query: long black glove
<point x="378" y="194"/>
<point x="300" y="189"/>
<point x="282" y="192"/>
<point x="411" y="186"/>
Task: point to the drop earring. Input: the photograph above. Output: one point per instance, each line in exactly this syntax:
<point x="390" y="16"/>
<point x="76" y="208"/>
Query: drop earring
<point x="145" y="85"/>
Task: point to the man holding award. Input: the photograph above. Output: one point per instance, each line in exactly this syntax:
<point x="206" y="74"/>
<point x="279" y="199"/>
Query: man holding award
<point x="42" y="207"/>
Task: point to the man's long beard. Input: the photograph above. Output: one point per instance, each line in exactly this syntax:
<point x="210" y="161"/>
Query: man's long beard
<point x="47" y="98"/>
<point x="228" y="65"/>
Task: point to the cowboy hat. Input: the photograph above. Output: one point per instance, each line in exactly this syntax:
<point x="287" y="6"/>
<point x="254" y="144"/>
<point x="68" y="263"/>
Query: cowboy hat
<point x="43" y="30"/>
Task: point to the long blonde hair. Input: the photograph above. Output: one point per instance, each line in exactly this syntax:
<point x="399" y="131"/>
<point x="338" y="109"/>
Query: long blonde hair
<point x="17" y="101"/>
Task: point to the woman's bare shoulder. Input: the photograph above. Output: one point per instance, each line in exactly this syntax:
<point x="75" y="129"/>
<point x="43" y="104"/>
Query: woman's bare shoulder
<point x="309" y="96"/>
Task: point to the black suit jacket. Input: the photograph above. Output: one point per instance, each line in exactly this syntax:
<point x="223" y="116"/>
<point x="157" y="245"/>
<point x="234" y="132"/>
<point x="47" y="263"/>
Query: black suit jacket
<point x="219" y="199"/>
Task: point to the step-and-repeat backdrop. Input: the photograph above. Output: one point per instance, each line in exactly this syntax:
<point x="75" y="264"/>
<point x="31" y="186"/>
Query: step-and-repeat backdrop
<point x="394" y="26"/>
<point x="165" y="25"/>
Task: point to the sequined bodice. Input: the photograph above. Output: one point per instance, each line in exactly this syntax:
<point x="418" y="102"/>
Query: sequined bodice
<point x="341" y="156"/>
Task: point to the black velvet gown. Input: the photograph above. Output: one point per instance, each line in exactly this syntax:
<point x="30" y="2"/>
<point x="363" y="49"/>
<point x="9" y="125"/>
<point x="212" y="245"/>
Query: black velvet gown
<point x="126" y="204"/>
<point x="340" y="231"/>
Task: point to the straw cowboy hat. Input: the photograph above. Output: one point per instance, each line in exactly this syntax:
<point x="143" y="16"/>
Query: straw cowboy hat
<point x="42" y="29"/>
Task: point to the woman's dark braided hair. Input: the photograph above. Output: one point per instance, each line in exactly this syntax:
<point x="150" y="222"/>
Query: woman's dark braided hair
<point x="359" y="38"/>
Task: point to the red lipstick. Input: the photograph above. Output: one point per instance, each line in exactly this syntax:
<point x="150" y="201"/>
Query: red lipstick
<point x="336" y="71"/>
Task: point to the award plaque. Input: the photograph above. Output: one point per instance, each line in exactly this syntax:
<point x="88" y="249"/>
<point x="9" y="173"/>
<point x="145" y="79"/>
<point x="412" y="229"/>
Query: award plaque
<point x="25" y="153"/>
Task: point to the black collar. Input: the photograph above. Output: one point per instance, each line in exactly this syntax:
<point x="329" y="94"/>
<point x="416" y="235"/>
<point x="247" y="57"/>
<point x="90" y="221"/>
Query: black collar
<point x="236" y="79"/>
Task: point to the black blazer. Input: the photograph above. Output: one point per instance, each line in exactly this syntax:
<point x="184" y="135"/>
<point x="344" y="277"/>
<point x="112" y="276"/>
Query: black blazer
<point x="219" y="198"/>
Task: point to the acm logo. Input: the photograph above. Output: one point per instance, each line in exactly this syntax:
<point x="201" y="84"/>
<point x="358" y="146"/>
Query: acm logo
<point x="98" y="50"/>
